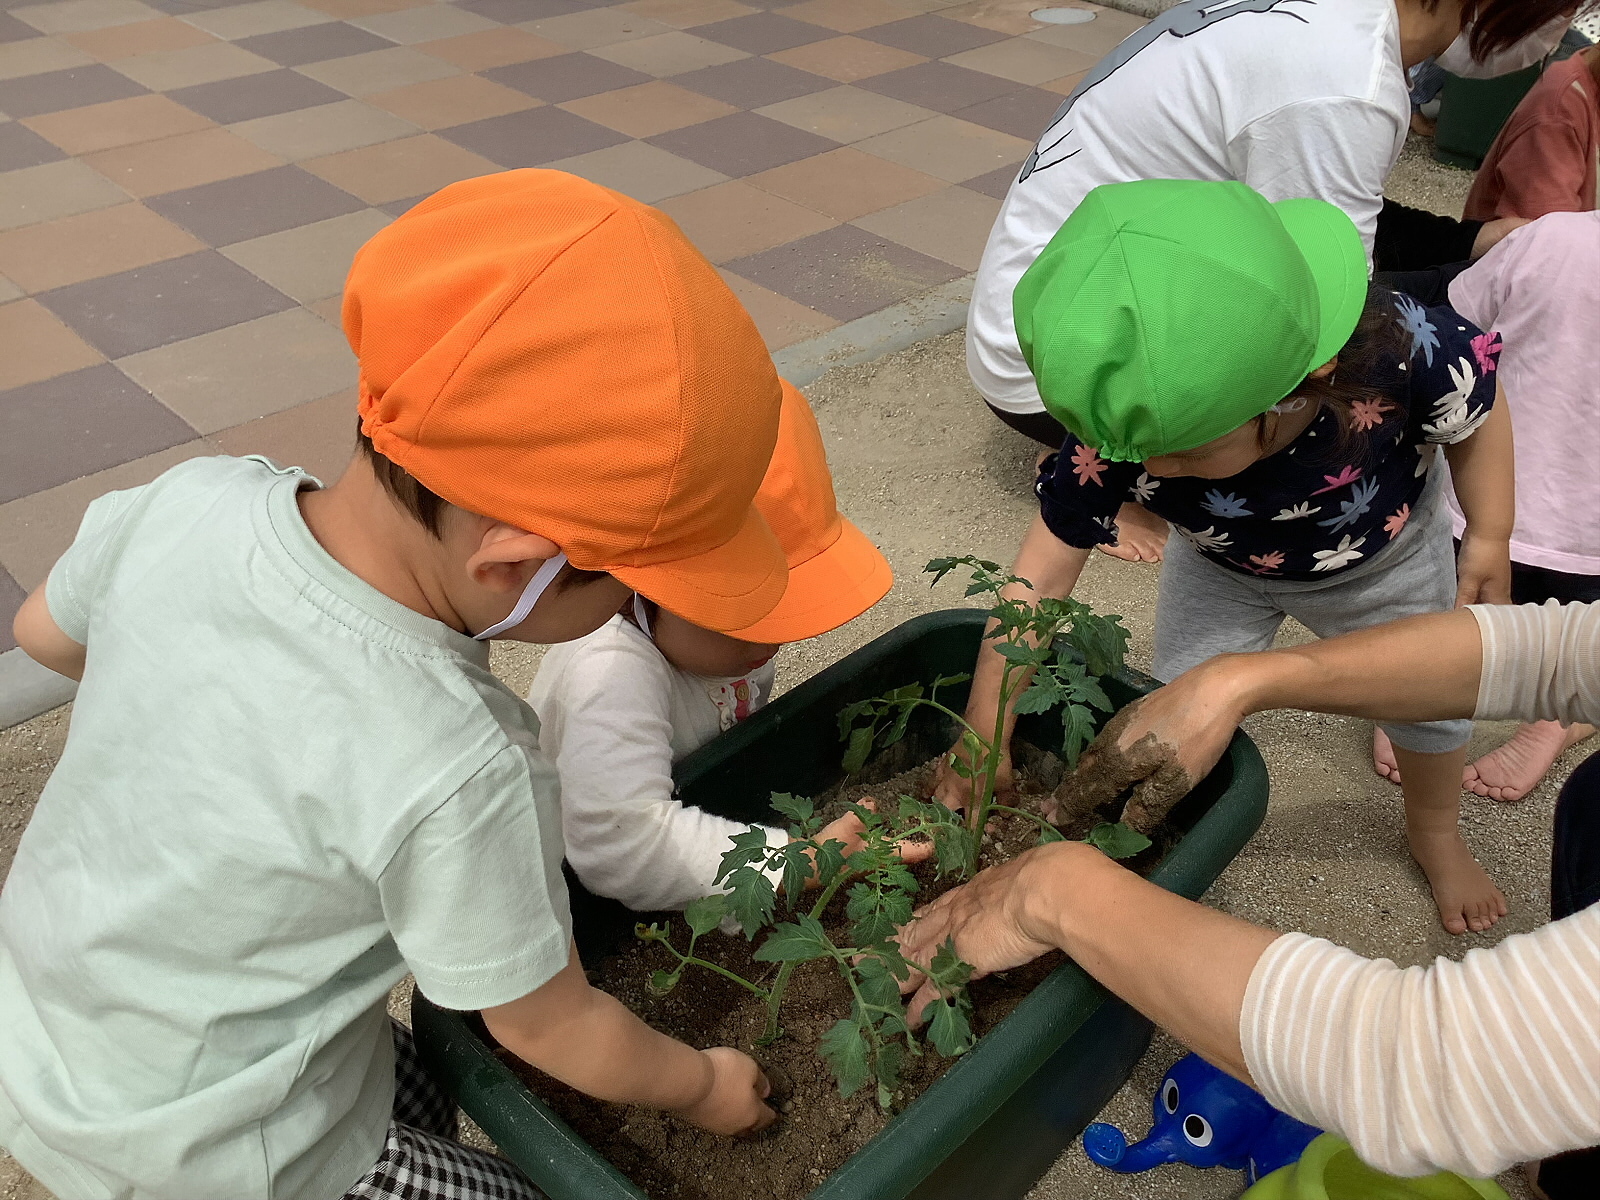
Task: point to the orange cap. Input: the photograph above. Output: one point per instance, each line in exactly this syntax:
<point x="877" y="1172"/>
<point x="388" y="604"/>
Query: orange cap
<point x="543" y="351"/>
<point x="835" y="573"/>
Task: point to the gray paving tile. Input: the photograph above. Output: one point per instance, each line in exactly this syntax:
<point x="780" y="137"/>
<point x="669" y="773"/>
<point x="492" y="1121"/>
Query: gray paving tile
<point x="742" y="144"/>
<point x="566" y="77"/>
<point x="13" y="30"/>
<point x="396" y="208"/>
<point x="763" y="33"/>
<point x="940" y="86"/>
<point x="313" y="43"/>
<point x="844" y="272"/>
<point x="752" y="82"/>
<point x="22" y="147"/>
<point x="77" y="424"/>
<point x="163" y="303"/>
<point x="531" y="138"/>
<point x="994" y="183"/>
<point x="11" y="598"/>
<point x="75" y="87"/>
<point x="249" y="206"/>
<point x="1024" y="113"/>
<point x="931" y="36"/>
<point x="252" y="96"/>
<point x="509" y="12"/>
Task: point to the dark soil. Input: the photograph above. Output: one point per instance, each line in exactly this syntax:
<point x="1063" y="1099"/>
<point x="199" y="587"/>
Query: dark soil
<point x="818" y="1129"/>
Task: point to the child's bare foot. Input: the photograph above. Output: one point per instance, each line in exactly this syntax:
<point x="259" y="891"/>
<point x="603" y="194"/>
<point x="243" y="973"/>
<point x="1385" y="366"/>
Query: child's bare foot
<point x="1466" y="896"/>
<point x="1423" y="126"/>
<point x="1141" y="535"/>
<point x="1515" y="769"/>
<point x="1383" y="760"/>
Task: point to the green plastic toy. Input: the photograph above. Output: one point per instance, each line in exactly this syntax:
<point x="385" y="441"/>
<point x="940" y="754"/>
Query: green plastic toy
<point x="1330" y="1170"/>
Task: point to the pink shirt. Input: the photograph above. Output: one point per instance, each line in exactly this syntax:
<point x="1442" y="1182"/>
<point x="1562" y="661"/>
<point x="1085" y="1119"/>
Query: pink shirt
<point x="1540" y="290"/>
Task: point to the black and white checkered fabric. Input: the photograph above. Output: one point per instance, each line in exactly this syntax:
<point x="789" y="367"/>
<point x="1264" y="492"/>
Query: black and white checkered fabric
<point x="421" y="1160"/>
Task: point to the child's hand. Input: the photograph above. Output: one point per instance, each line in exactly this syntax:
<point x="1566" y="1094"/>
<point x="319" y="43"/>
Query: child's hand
<point x="849" y="830"/>
<point x="734" y="1105"/>
<point x="1483" y="571"/>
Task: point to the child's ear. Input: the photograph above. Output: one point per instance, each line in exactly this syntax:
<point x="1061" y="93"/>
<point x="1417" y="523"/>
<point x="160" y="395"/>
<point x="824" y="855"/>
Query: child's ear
<point x="1326" y="369"/>
<point x="506" y="557"/>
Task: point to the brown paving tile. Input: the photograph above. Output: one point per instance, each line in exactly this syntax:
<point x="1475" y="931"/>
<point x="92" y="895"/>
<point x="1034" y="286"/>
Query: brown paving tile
<point x="21" y="147"/>
<point x="378" y="70"/>
<point x="263" y="16"/>
<point x="844" y="272"/>
<point x="38" y="346"/>
<point x="640" y="170"/>
<point x="669" y="53"/>
<point x="251" y="206"/>
<point x="939" y="86"/>
<point x="648" y="108"/>
<point x="145" y="37"/>
<point x="1096" y="37"/>
<point x="62" y="429"/>
<point x="11" y="598"/>
<point x="947" y="148"/>
<point x="245" y="371"/>
<point x="52" y="91"/>
<point x="492" y="48"/>
<point x="684" y="13"/>
<point x="161" y="303"/>
<point x="36" y="529"/>
<point x="116" y="123"/>
<point x="591" y="27"/>
<point x="951" y="225"/>
<point x="252" y="96"/>
<point x="105" y="242"/>
<point x="532" y="138"/>
<point x="994" y="184"/>
<point x="313" y="43"/>
<point x="168" y="69"/>
<point x="846" y="16"/>
<point x="184" y="161"/>
<point x="1022" y="60"/>
<point x="566" y="77"/>
<point x="845" y="114"/>
<point x="734" y="219"/>
<point x="360" y="8"/>
<point x="1025" y="113"/>
<point x="453" y="101"/>
<point x="39" y="55"/>
<point x="845" y="183"/>
<point x="9" y="290"/>
<point x="52" y="190"/>
<point x="1002" y="16"/>
<point x="752" y="82"/>
<point x="847" y="59"/>
<point x="327" y="129"/>
<point x="427" y="23"/>
<point x="932" y="36"/>
<point x="76" y="15"/>
<point x="407" y="167"/>
<point x="309" y="263"/>
<point x="1064" y="86"/>
<point x="330" y="310"/>
<point x="318" y="436"/>
<point x="762" y="33"/>
<point x="781" y="321"/>
<point x="742" y="144"/>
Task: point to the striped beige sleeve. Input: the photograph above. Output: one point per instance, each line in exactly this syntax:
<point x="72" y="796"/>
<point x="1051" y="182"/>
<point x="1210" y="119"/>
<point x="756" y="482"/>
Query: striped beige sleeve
<point x="1467" y="1066"/>
<point x="1541" y="662"/>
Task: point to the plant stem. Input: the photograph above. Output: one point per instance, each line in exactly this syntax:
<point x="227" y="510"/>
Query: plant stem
<point x="689" y="960"/>
<point x="1022" y="812"/>
<point x="781" y="983"/>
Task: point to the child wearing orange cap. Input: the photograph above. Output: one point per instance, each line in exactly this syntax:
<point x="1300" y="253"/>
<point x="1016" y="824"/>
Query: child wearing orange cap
<point x="291" y="778"/>
<point x="619" y="707"/>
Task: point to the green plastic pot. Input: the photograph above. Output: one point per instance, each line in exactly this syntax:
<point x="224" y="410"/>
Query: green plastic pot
<point x="1471" y="112"/>
<point x="1003" y="1112"/>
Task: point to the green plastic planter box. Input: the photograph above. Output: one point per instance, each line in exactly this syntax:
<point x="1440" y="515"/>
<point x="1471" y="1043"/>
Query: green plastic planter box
<point x="1002" y="1113"/>
<point x="1471" y="112"/>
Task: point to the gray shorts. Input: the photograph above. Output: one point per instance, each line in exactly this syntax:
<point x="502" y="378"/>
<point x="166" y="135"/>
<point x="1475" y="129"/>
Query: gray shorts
<point x="1205" y="609"/>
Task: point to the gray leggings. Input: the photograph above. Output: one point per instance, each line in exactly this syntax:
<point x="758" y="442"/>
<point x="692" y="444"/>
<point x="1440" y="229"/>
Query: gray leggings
<point x="1205" y="609"/>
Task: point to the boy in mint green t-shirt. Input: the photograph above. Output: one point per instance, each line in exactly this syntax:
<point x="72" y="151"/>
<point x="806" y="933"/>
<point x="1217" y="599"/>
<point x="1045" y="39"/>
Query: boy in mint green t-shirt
<point x="291" y="777"/>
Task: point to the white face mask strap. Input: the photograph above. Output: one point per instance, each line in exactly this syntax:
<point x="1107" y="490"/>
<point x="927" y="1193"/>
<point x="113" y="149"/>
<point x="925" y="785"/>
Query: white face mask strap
<point x="641" y="614"/>
<point x="542" y="579"/>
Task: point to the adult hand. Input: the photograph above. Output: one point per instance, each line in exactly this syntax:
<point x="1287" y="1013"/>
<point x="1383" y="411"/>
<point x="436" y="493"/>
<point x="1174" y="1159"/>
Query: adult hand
<point x="1492" y="232"/>
<point x="1483" y="571"/>
<point x="735" y="1101"/>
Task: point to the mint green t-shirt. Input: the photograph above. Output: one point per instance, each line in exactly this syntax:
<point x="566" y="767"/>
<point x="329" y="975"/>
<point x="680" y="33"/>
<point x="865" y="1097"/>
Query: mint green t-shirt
<point x="280" y="792"/>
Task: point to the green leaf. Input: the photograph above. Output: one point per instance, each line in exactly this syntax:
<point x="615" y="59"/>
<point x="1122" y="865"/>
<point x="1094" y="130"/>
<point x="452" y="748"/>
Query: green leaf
<point x="829" y="861"/>
<point x="845" y="1051"/>
<point x="1078" y="724"/>
<point x="898" y="729"/>
<point x="800" y="940"/>
<point x="1048" y="834"/>
<point x="950" y="680"/>
<point x="953" y="848"/>
<point x="748" y="847"/>
<point x="649" y="933"/>
<point x="705" y="914"/>
<point x="662" y="982"/>
<point x="1043" y="694"/>
<point x="751" y="899"/>
<point x="797" y="808"/>
<point x="947" y="970"/>
<point x="886" y="1069"/>
<point x="1023" y="656"/>
<point x="850" y="713"/>
<point x="1117" y="840"/>
<point x="879" y="988"/>
<point x="860" y="747"/>
<point x="876" y="914"/>
<point x="948" y="1028"/>
<point x="796" y="870"/>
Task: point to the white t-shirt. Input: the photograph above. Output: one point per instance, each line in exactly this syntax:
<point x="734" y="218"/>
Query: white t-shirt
<point x="614" y="715"/>
<point x="1293" y="97"/>
<point x="281" y="791"/>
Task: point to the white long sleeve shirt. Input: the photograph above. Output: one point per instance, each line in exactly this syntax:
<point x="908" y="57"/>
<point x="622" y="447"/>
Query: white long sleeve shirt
<point x="1469" y="1066"/>
<point x="614" y="715"/>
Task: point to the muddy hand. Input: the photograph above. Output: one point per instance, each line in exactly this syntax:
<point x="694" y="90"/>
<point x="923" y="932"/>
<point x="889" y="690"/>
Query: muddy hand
<point x="735" y="1105"/>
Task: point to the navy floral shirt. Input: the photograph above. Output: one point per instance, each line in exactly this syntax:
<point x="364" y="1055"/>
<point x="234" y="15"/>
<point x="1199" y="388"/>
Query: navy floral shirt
<point x="1319" y="505"/>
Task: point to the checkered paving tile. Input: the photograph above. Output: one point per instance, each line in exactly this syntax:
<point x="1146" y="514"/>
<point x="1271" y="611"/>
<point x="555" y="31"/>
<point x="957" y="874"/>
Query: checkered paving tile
<point x="184" y="182"/>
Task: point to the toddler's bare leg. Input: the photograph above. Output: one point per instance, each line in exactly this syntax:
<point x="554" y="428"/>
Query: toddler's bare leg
<point x="1466" y="896"/>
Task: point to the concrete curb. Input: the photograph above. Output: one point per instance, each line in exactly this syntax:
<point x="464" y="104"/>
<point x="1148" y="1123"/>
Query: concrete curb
<point x="27" y="689"/>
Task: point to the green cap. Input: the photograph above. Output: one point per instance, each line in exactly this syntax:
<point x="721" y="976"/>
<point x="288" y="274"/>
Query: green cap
<point x="1168" y="312"/>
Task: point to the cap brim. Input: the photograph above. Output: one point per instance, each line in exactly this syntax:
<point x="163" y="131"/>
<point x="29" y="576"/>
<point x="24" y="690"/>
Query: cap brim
<point x="1332" y="247"/>
<point x="825" y="591"/>
<point x="729" y="587"/>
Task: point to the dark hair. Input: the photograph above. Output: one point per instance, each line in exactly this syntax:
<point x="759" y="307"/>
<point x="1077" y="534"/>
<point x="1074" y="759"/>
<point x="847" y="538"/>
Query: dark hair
<point x="1499" y="24"/>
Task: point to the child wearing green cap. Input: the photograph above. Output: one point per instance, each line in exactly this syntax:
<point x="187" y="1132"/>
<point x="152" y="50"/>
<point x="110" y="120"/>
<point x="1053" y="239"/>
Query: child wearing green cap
<point x="1223" y="362"/>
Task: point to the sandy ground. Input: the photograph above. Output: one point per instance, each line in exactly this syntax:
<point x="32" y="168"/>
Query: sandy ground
<point x="926" y="471"/>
